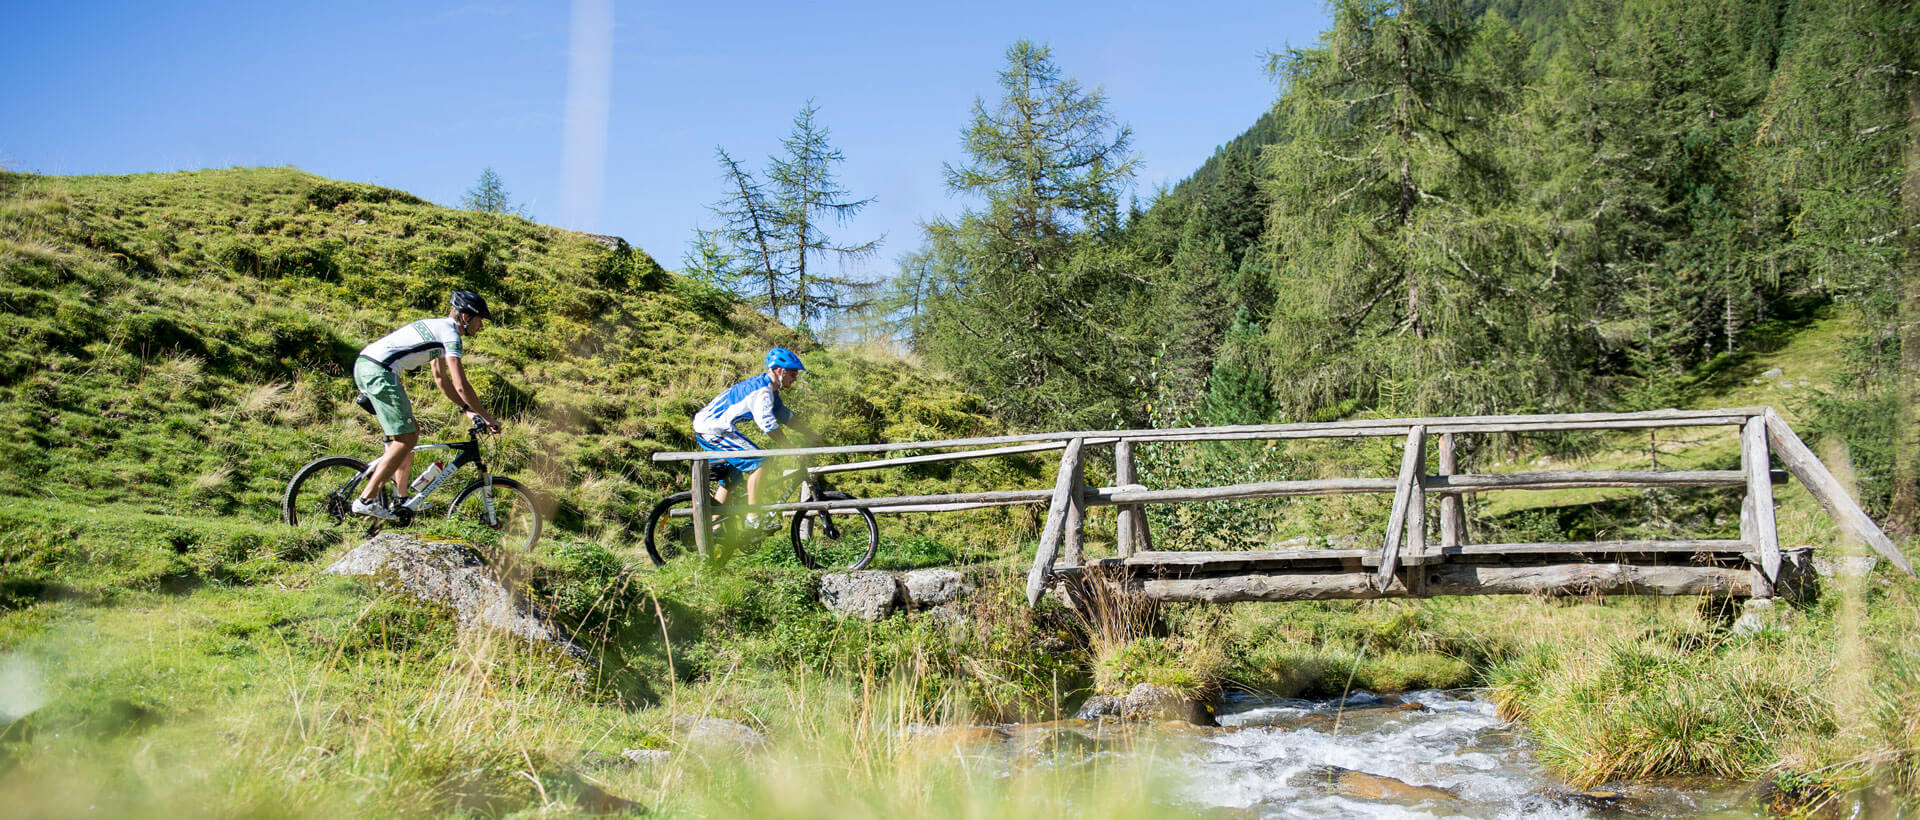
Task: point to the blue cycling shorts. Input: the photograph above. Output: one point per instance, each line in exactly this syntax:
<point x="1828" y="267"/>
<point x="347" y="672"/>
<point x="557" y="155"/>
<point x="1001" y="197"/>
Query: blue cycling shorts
<point x="730" y="442"/>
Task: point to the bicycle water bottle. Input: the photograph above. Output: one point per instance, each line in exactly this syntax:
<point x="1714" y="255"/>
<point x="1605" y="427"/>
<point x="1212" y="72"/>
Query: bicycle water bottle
<point x="426" y="476"/>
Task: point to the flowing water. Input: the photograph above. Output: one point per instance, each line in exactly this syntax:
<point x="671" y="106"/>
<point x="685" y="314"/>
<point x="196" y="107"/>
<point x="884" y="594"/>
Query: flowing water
<point x="1422" y="754"/>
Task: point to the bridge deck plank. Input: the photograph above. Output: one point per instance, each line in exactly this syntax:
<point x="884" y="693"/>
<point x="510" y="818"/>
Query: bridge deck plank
<point x="1238" y="557"/>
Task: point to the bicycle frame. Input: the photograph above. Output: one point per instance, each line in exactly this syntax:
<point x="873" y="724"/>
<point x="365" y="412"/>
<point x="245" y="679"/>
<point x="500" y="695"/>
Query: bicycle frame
<point x="466" y="452"/>
<point x="809" y="485"/>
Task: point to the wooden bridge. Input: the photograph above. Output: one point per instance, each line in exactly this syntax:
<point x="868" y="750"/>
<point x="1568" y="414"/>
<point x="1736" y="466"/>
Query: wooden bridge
<point x="1405" y="563"/>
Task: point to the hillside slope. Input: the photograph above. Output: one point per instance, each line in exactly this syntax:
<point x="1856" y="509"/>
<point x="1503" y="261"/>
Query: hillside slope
<point x="179" y="343"/>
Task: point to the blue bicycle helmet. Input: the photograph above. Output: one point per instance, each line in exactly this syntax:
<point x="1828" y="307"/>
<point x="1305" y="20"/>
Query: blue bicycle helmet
<point x="784" y="358"/>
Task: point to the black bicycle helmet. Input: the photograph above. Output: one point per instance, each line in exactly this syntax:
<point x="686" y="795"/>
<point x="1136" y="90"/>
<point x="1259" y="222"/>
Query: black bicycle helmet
<point x="467" y="301"/>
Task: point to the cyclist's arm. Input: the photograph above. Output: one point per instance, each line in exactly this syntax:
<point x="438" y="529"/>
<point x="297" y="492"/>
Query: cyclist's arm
<point x="806" y="434"/>
<point x="451" y="377"/>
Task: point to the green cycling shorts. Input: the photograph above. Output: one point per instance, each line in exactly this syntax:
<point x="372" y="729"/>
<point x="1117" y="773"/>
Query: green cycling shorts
<point x="390" y="402"/>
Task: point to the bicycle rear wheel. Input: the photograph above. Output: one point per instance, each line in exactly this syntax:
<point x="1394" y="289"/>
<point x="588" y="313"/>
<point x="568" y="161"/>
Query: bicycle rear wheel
<point x="666" y="537"/>
<point x="837" y="540"/>
<point x="516" y="514"/>
<point x="322" y="491"/>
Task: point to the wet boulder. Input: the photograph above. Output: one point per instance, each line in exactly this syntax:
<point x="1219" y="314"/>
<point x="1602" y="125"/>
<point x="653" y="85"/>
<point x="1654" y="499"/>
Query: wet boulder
<point x="1360" y="785"/>
<point x="1149" y="702"/>
<point x="1101" y="706"/>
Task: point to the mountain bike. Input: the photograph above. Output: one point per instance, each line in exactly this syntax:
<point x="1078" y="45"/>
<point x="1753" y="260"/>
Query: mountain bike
<point x="822" y="539"/>
<point x="324" y="490"/>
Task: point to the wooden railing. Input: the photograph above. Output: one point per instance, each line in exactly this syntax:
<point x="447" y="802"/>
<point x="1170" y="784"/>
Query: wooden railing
<point x="1404" y="542"/>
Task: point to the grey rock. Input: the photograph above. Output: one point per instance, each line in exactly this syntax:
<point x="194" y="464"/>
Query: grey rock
<point x="647" y="757"/>
<point x="867" y="595"/>
<point x="719" y="735"/>
<point x="1059" y="740"/>
<point x="453" y="574"/>
<point x="1100" y="706"/>
<point x="1149" y="702"/>
<point x="1845" y="566"/>
<point x="1760" y="614"/>
<point x="924" y="588"/>
<point x="1343" y="542"/>
<point x="947" y="615"/>
<point x="1773" y="374"/>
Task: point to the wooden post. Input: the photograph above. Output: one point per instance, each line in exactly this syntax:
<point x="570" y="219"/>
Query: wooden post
<point x="1066" y="485"/>
<point x="1417" y="523"/>
<point x="702" y="523"/>
<point x="1123" y="475"/>
<point x="1826" y="489"/>
<point x="1406" y="487"/>
<point x="1453" y="513"/>
<point x="1073" y="541"/>
<point x="1764" y="538"/>
<point x="1134" y="536"/>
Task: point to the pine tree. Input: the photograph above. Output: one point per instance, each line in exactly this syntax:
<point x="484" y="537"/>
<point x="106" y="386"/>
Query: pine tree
<point x="805" y="196"/>
<point x="1840" y="147"/>
<point x="752" y="229"/>
<point x="1411" y="279"/>
<point x="709" y="261"/>
<point x="1195" y="310"/>
<point x="489" y="196"/>
<point x="1040" y="311"/>
<point x="1238" y="390"/>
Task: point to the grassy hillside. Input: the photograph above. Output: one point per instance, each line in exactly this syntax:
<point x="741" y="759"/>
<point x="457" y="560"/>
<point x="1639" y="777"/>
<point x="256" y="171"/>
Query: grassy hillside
<point x="180" y="343"/>
<point x="176" y="346"/>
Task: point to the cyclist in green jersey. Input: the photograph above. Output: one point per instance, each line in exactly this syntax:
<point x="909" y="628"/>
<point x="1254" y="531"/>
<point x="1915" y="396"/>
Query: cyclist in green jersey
<point x="377" y="373"/>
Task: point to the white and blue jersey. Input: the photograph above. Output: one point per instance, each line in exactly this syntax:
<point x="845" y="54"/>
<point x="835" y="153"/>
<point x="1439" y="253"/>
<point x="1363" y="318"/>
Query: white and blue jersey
<point x="755" y="398"/>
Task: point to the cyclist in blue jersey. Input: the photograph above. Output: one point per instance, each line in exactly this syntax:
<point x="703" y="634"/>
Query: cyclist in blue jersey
<point x="377" y="373"/>
<point x="757" y="398"/>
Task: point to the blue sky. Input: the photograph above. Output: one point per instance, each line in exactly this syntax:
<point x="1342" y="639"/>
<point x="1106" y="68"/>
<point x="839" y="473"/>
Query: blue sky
<point x="422" y="96"/>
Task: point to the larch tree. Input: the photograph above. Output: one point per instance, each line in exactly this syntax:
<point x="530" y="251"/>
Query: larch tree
<point x="489" y="196"/>
<point x="1036" y="312"/>
<point x="1839" y="141"/>
<point x="807" y="199"/>
<point x="1410" y="278"/>
<point x="752" y="228"/>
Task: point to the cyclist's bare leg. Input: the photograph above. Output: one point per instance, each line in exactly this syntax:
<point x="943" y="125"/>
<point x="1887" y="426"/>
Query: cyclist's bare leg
<point x="401" y="476"/>
<point x="719" y="496"/>
<point x="399" y="452"/>
<point x="753" y="487"/>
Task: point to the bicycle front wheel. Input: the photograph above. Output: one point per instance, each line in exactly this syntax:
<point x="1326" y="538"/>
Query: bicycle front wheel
<point x="835" y="540"/>
<point x="323" y="491"/>
<point x="667" y="537"/>
<point x="515" y="514"/>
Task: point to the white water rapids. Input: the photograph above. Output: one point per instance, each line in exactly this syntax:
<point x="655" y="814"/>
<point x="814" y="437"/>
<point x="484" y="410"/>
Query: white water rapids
<point x="1424" y="754"/>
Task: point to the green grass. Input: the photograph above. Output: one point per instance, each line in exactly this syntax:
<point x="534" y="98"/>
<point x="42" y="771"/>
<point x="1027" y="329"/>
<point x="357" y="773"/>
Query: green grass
<point x="179" y="343"/>
<point x="176" y="349"/>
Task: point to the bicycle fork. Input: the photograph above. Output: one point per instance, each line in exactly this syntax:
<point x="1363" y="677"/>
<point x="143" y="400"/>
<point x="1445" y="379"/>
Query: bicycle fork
<point x="810" y="491"/>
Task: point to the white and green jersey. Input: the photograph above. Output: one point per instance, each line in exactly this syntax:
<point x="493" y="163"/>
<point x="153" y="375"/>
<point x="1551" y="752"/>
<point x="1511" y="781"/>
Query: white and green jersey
<point x="415" y="345"/>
